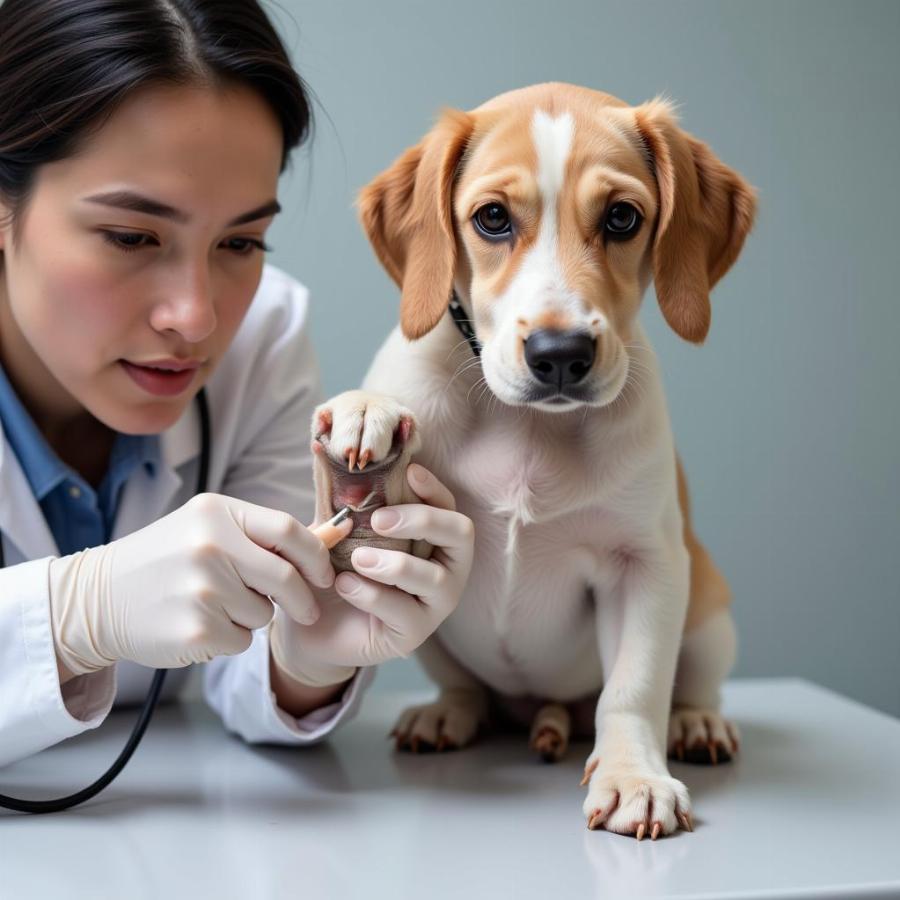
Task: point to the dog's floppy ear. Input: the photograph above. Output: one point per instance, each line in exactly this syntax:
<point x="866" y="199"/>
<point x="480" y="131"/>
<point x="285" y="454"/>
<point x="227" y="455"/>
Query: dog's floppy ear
<point x="407" y="214"/>
<point x="705" y="212"/>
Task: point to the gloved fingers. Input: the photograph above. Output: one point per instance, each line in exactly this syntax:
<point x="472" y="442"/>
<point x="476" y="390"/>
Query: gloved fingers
<point x="405" y="616"/>
<point x="245" y="608"/>
<point x="217" y="637"/>
<point x="427" y="580"/>
<point x="298" y="649"/>
<point x="426" y="486"/>
<point x="236" y="639"/>
<point x="453" y="532"/>
<point x="281" y="533"/>
<point x="269" y="577"/>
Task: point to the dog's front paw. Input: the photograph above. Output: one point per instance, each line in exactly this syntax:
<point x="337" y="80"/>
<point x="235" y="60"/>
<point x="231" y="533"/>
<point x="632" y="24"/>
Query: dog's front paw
<point x="362" y="444"/>
<point x="701" y="736"/>
<point x="358" y="429"/>
<point x="627" y="800"/>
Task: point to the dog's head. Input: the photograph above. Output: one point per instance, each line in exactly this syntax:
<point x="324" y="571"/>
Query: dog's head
<point x="551" y="208"/>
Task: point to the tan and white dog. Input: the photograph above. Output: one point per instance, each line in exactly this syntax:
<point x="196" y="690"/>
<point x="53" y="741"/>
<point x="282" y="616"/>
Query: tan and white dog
<point x="548" y="210"/>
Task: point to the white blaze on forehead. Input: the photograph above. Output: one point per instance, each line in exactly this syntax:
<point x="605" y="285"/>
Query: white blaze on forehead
<point x="539" y="285"/>
<point x="553" y="142"/>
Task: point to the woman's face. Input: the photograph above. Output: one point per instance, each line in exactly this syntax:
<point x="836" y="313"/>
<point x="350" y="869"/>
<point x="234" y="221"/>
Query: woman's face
<point x="137" y="258"/>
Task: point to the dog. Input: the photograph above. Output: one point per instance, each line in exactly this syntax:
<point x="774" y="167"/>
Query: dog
<point x="544" y="214"/>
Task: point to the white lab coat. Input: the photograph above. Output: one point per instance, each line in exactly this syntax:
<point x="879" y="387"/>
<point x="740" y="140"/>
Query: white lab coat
<point x="261" y="399"/>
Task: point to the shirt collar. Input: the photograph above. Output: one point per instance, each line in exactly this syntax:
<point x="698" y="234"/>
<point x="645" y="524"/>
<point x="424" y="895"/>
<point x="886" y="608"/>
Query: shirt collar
<point x="42" y="467"/>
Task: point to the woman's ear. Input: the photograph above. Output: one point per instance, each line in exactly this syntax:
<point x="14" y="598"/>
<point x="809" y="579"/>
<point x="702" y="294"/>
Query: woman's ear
<point x="706" y="211"/>
<point x="407" y="214"/>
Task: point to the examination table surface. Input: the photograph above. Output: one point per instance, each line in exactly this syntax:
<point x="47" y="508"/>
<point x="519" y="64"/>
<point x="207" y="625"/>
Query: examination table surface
<point x="809" y="809"/>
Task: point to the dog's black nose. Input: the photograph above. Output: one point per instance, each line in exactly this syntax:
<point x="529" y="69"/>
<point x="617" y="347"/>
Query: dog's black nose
<point x="560" y="358"/>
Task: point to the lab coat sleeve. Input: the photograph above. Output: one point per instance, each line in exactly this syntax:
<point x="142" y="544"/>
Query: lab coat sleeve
<point x="273" y="467"/>
<point x="35" y="712"/>
<point x="238" y="689"/>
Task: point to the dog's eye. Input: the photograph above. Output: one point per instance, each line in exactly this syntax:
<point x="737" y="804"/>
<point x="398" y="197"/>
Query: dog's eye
<point x="492" y="221"/>
<point x="622" y="222"/>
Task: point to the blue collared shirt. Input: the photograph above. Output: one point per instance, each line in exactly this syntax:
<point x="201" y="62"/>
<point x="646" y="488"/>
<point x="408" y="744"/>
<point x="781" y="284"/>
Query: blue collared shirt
<point x="78" y="516"/>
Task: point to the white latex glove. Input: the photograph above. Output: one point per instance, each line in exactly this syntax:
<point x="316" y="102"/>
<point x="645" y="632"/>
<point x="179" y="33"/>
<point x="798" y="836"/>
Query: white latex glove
<point x="189" y="587"/>
<point x="396" y="606"/>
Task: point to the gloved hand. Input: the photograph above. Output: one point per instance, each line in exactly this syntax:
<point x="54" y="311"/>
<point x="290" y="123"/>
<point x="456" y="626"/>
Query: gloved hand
<point x="189" y="587"/>
<point x="400" y="601"/>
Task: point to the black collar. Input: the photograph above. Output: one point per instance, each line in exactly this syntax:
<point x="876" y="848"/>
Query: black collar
<point x="464" y="324"/>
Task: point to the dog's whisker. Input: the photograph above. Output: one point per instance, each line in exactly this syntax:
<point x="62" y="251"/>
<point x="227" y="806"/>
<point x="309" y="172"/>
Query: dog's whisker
<point x="468" y="364"/>
<point x="455" y="347"/>
<point x="462" y="369"/>
<point x="481" y="381"/>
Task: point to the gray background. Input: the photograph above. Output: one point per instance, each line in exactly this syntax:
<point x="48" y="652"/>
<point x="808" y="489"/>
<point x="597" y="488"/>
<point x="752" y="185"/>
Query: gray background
<point x="787" y="418"/>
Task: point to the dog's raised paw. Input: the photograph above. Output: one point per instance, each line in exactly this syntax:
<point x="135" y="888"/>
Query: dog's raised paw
<point x="359" y="429"/>
<point x="362" y="444"/>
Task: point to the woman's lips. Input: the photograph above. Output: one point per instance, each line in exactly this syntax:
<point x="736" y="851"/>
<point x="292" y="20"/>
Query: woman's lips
<point x="167" y="380"/>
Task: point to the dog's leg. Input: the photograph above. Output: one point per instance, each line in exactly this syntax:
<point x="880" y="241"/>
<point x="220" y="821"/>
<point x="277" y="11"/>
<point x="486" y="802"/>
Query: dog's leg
<point x="454" y="719"/>
<point x="697" y="731"/>
<point x="550" y="732"/>
<point x="629" y="788"/>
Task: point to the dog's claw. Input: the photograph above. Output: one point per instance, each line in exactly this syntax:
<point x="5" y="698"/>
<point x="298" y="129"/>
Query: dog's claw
<point x="713" y="752"/>
<point x="351" y="457"/>
<point x="686" y="821"/>
<point x="588" y="771"/>
<point x="595" y="819"/>
<point x="364" y="460"/>
<point x="654" y="834"/>
<point x="641" y="829"/>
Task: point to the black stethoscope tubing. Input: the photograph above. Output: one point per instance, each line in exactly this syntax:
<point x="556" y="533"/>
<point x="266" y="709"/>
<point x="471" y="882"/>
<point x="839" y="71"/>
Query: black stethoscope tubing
<point x="61" y="803"/>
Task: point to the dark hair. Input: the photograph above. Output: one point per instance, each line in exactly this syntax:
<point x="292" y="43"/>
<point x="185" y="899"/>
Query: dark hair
<point x="65" y="65"/>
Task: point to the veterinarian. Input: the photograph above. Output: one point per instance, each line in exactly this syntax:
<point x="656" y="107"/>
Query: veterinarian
<point x="157" y="386"/>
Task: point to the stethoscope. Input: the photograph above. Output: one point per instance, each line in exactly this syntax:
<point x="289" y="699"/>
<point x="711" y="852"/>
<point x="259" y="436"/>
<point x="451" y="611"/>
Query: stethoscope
<point x="48" y="806"/>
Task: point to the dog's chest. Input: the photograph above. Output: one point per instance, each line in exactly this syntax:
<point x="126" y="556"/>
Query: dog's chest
<point x="526" y="622"/>
<point x="514" y="473"/>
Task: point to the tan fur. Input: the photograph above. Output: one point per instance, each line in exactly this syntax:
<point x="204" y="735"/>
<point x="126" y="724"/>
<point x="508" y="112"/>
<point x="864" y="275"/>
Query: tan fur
<point x="417" y="248"/>
<point x="709" y="589"/>
<point x="706" y="211"/>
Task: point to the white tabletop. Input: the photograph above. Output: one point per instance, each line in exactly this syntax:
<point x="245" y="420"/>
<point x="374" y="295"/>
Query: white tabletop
<point x="809" y="810"/>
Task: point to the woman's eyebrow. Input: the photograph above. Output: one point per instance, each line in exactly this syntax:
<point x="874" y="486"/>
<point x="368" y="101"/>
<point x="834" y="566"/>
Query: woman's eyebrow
<point x="138" y="203"/>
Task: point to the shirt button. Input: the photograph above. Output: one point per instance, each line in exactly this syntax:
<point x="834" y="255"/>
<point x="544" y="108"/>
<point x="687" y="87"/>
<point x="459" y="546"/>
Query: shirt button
<point x="74" y="492"/>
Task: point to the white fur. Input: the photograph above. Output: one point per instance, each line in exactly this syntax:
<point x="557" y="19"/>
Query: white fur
<point x="581" y="575"/>
<point x="565" y="506"/>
